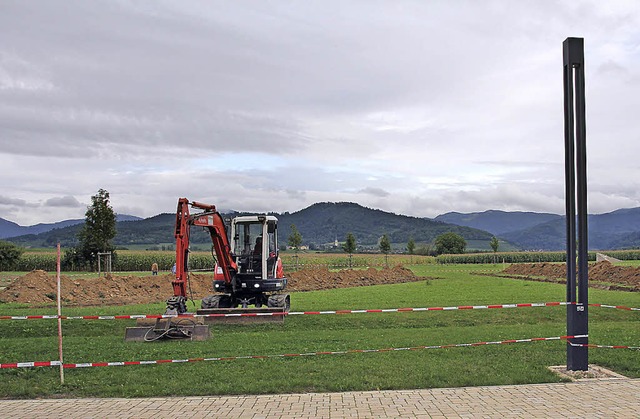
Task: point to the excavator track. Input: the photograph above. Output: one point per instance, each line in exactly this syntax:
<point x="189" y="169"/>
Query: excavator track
<point x="222" y="308"/>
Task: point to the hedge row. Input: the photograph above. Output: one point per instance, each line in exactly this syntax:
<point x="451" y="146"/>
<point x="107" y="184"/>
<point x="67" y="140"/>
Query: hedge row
<point x="142" y="261"/>
<point x="31" y="261"/>
<point x="342" y="260"/>
<point x="529" y="257"/>
<point x="507" y="257"/>
<point x="624" y="254"/>
<point x="126" y="260"/>
<point x="123" y="261"/>
<point x="132" y="260"/>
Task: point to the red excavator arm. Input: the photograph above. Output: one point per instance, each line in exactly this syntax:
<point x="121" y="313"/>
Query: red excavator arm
<point x="213" y="222"/>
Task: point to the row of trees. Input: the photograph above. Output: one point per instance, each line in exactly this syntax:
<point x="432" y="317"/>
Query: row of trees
<point x="447" y="243"/>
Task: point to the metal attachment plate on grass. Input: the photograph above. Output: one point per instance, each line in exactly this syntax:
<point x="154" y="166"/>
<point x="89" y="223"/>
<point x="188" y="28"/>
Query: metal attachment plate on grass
<point x="149" y="330"/>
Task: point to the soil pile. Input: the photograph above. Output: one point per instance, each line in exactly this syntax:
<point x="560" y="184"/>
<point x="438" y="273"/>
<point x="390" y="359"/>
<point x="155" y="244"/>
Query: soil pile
<point x="602" y="275"/>
<point x="39" y="288"/>
<point x="322" y="278"/>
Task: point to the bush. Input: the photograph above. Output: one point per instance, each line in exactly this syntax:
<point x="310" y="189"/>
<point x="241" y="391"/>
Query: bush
<point x="9" y="255"/>
<point x="450" y="243"/>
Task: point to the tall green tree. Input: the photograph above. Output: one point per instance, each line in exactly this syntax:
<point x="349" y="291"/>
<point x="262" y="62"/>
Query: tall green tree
<point x="97" y="232"/>
<point x="350" y="246"/>
<point x="9" y="255"/>
<point x="450" y="243"/>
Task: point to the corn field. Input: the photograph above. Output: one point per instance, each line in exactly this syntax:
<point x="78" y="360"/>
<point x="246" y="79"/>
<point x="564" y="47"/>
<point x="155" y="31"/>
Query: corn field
<point x="141" y="260"/>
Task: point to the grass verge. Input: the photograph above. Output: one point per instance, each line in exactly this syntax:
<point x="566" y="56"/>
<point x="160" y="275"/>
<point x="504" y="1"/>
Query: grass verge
<point x="102" y="341"/>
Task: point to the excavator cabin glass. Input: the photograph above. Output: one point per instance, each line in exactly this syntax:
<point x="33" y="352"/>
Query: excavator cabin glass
<point x="254" y="243"/>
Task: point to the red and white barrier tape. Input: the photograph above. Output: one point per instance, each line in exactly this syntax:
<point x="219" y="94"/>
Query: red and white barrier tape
<point x="234" y="358"/>
<point x="590" y="345"/>
<point x="293" y="313"/>
<point x="290" y="313"/>
<point x="404" y="310"/>
<point x="617" y="307"/>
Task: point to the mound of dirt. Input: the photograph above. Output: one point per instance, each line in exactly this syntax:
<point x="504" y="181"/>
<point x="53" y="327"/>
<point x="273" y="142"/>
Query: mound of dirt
<point x="38" y="288"/>
<point x="322" y="278"/>
<point x="602" y="275"/>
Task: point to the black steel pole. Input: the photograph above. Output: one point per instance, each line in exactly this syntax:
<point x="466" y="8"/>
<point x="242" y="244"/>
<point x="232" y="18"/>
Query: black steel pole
<point x="576" y="192"/>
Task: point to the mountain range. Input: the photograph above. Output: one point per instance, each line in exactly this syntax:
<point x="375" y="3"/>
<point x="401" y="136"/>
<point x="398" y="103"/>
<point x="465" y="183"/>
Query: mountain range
<point x="619" y="229"/>
<point x="320" y="224"/>
<point x="324" y="223"/>
<point x="11" y="229"/>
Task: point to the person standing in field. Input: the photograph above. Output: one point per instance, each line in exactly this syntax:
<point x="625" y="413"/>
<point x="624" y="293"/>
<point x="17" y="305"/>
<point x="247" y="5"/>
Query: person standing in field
<point x="154" y="269"/>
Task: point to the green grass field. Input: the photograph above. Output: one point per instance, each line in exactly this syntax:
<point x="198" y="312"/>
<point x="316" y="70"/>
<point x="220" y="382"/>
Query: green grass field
<point x="102" y="341"/>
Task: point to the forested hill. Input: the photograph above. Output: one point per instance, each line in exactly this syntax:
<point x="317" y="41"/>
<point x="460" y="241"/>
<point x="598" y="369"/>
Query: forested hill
<point x="11" y="229"/>
<point x="325" y="222"/>
<point x="319" y="224"/>
<point x="499" y="222"/>
<point x="153" y="230"/>
<point x="619" y="229"/>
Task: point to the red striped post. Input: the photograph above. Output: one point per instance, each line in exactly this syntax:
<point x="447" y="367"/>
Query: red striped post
<point x="59" y="316"/>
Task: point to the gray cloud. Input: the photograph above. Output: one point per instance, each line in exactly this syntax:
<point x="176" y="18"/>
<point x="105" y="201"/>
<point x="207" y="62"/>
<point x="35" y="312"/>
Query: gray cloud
<point x="5" y="200"/>
<point x="411" y="107"/>
<point x="64" y="201"/>
<point x="375" y="192"/>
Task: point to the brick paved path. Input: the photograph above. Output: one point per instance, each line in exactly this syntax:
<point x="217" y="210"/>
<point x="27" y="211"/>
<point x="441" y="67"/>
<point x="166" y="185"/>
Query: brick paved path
<point x="612" y="398"/>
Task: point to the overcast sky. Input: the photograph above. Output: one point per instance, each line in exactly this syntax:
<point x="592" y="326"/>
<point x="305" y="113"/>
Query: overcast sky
<point x="414" y="107"/>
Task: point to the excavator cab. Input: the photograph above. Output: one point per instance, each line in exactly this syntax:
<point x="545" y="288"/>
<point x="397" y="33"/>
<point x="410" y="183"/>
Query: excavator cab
<point x="259" y="276"/>
<point x="254" y="241"/>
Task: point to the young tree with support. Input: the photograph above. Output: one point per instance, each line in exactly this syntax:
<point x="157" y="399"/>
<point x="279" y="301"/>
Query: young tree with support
<point x="494" y="243"/>
<point x="385" y="247"/>
<point x="96" y="234"/>
<point x="295" y="240"/>
<point x="350" y="246"/>
<point x="411" y="247"/>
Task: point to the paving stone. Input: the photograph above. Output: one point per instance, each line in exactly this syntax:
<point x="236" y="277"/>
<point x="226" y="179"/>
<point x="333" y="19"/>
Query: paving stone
<point x="618" y="398"/>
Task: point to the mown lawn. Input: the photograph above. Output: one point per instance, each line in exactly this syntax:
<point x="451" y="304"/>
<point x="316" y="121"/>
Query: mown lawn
<point x="102" y="341"/>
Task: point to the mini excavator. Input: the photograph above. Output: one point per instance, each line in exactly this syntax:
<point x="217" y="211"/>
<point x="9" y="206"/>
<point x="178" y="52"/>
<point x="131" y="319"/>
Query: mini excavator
<point x="247" y="272"/>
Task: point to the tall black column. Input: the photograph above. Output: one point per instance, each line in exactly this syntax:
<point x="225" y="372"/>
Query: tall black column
<point x="576" y="193"/>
